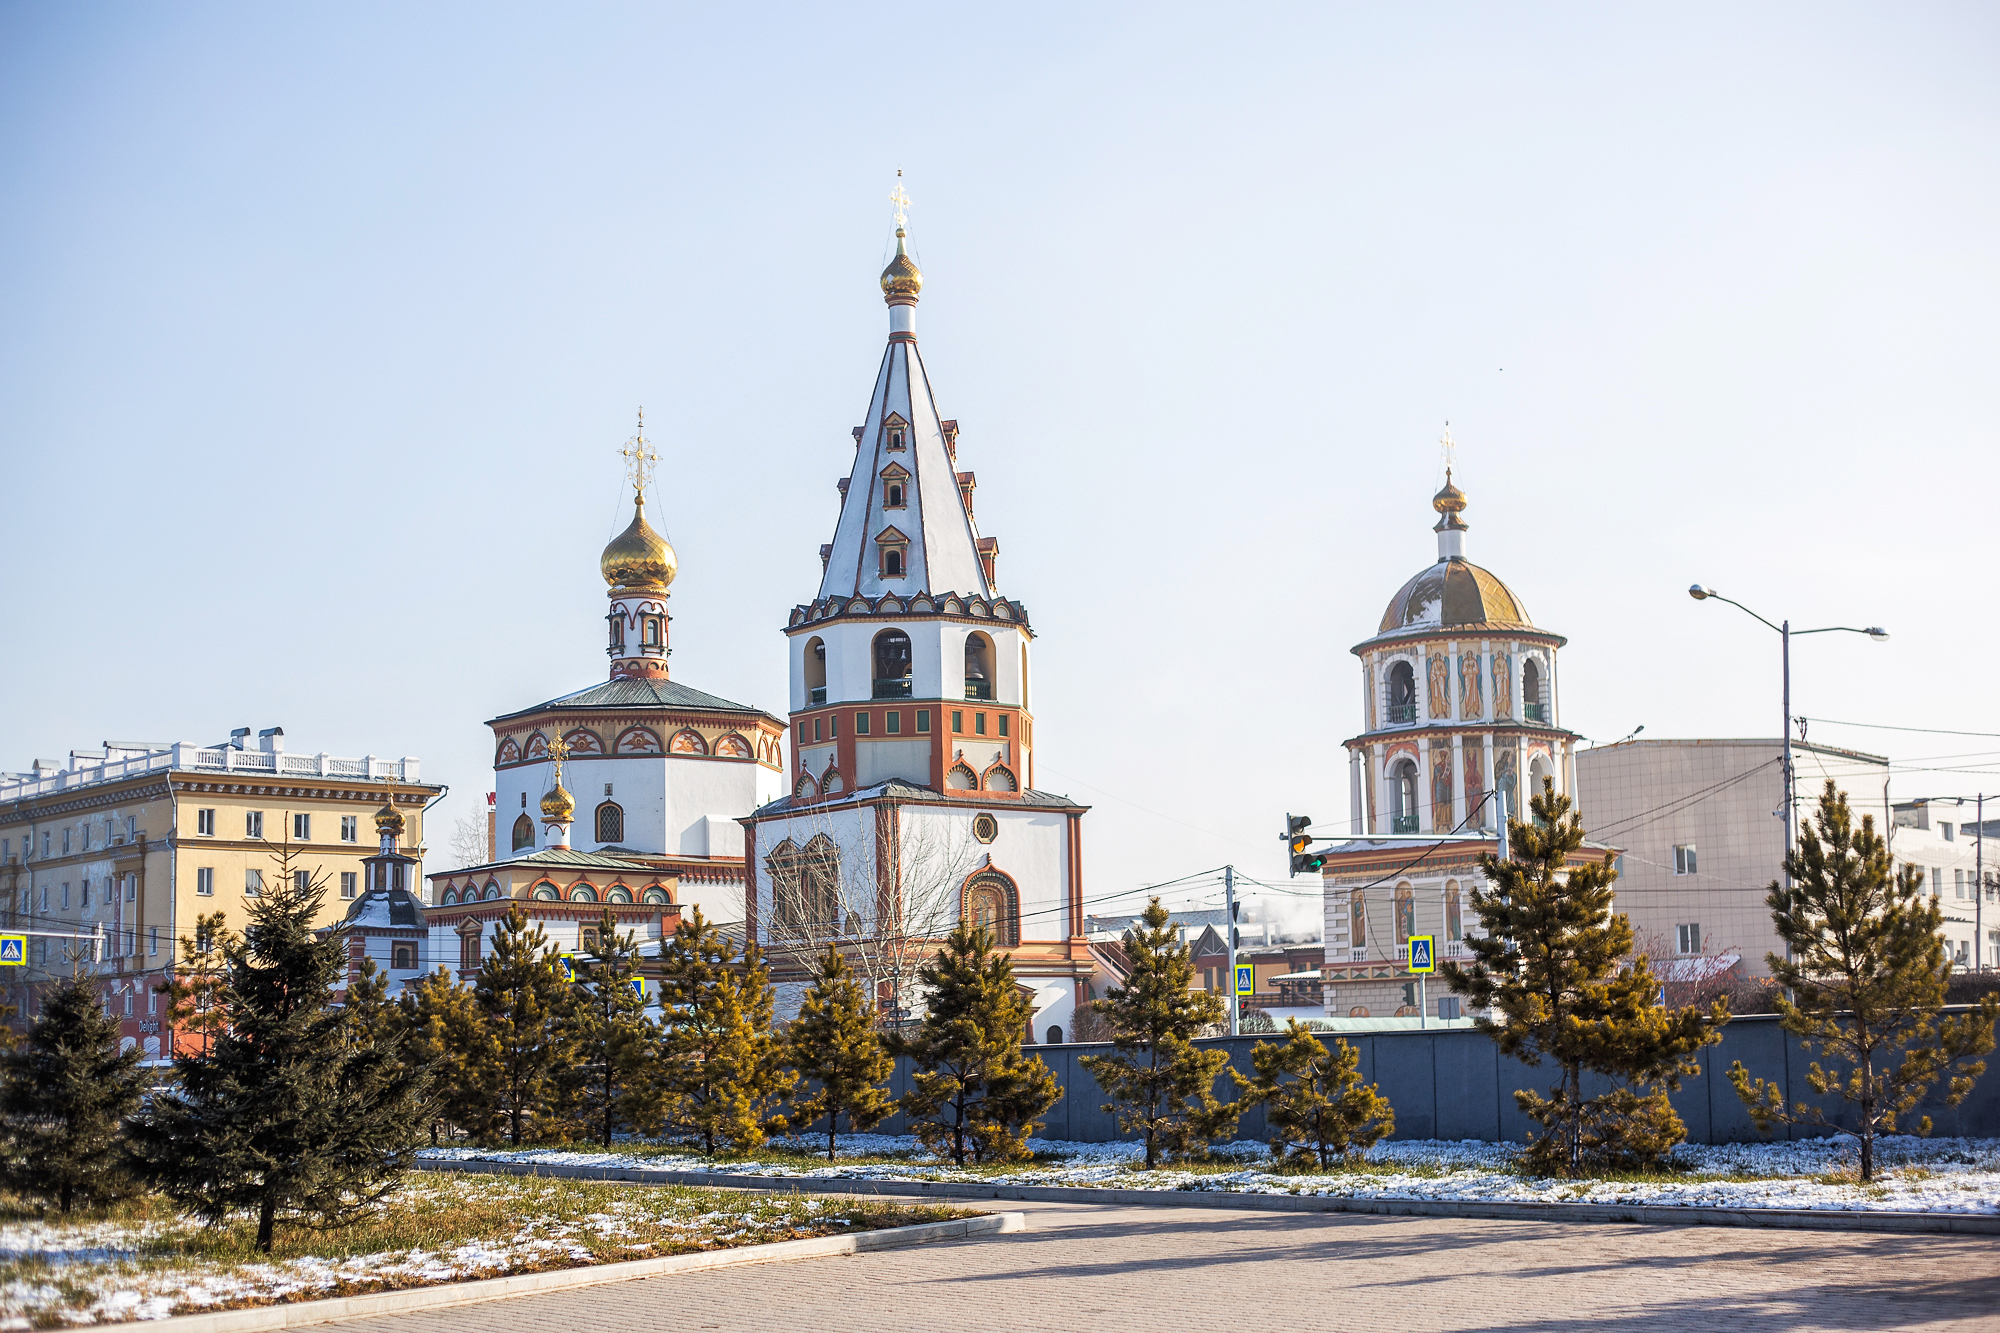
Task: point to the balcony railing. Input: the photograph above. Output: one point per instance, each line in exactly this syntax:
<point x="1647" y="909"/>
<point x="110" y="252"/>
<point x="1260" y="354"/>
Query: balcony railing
<point x="979" y="689"/>
<point x="1402" y="823"/>
<point x="185" y="757"/>
<point x="892" y="689"/>
<point x="818" y="694"/>
<point x="1534" y="712"/>
<point x="1402" y="713"/>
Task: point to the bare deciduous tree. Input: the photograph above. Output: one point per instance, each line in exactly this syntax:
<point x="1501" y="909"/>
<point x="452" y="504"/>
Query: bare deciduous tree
<point x="885" y="905"/>
<point x="1694" y="979"/>
<point x="468" y="846"/>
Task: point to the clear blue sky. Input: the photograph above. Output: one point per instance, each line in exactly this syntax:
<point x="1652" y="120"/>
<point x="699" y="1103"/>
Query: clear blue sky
<point x="320" y="326"/>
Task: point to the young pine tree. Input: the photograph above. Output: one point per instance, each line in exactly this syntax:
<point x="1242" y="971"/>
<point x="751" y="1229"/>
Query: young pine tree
<point x="834" y="1044"/>
<point x="524" y="1067"/>
<point x="1867" y="973"/>
<point x="68" y="1091"/>
<point x="1550" y="966"/>
<point x="615" y="1041"/>
<point x="1161" y="1085"/>
<point x="447" y="1036"/>
<point x="198" y="979"/>
<point x="1313" y="1097"/>
<point x="974" y="1093"/>
<point x="722" y="1069"/>
<point x="284" y="1114"/>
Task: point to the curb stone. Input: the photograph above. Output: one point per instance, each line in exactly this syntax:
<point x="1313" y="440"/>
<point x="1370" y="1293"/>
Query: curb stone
<point x="445" y="1294"/>
<point x="1791" y="1219"/>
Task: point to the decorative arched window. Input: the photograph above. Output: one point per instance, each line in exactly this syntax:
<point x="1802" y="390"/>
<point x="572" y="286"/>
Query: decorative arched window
<point x="618" y="893"/>
<point x="1403" y="796"/>
<point x="1000" y="778"/>
<point x="686" y="741"/>
<point x="805" y="884"/>
<point x="815" y="664"/>
<point x="649" y="631"/>
<point x="546" y="893"/>
<point x="893" y="550"/>
<point x="978" y="666"/>
<point x="492" y="890"/>
<point x="583" y="893"/>
<point x="892" y="665"/>
<point x="509" y="753"/>
<point x="617" y="619"/>
<point x="610" y="822"/>
<point x="656" y="896"/>
<point x="582" y="740"/>
<point x="993" y="903"/>
<point x="536" y="748"/>
<point x="807" y="789"/>
<point x="1358" y="1011"/>
<point x="960" y="777"/>
<point x="1533" y="706"/>
<point x="450" y="897"/>
<point x="1402" y="693"/>
<point x="1055" y="1035"/>
<point x="638" y="740"/>
<point x="524" y="833"/>
<point x="732" y="746"/>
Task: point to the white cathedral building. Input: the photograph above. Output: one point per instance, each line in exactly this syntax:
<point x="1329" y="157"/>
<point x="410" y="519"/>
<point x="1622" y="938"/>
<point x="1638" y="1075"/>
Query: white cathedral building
<point x="910" y="797"/>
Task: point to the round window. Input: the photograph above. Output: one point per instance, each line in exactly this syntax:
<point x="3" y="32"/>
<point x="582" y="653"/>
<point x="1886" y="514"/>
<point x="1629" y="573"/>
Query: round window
<point x="985" y="827"/>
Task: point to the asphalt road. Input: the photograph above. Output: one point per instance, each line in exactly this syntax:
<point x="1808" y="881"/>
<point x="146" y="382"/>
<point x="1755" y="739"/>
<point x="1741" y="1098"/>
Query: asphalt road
<point x="1107" y="1269"/>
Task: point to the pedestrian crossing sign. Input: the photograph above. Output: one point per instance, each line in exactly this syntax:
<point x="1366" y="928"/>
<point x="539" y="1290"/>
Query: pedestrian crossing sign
<point x="13" y="950"/>
<point x="566" y="966"/>
<point x="1246" y="979"/>
<point x="638" y="985"/>
<point x="1423" y="953"/>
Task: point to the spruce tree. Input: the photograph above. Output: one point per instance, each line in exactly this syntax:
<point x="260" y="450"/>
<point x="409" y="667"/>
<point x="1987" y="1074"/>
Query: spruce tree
<point x="197" y="980"/>
<point x="974" y="1092"/>
<point x="1549" y="967"/>
<point x="446" y="1036"/>
<point x="834" y="1044"/>
<point x="1866" y="968"/>
<point x="525" y="1066"/>
<point x="1313" y="1097"/>
<point x="615" y="1041"/>
<point x="67" y="1094"/>
<point x="285" y="1114"/>
<point x="722" y="1068"/>
<point x="1161" y="1085"/>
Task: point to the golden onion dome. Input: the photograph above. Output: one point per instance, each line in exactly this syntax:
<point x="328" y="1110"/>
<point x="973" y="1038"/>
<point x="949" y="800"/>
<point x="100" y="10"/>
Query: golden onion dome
<point x="558" y="805"/>
<point x="901" y="280"/>
<point x="638" y="557"/>
<point x="1450" y="500"/>
<point x="389" y="820"/>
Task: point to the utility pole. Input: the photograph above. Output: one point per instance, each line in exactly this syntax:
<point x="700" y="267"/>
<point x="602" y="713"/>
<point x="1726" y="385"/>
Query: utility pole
<point x="1229" y="907"/>
<point x="1979" y="887"/>
<point x="1785" y="633"/>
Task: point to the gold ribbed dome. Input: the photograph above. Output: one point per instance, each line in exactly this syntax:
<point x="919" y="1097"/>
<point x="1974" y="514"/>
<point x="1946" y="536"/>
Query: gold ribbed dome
<point x="901" y="280"/>
<point x="558" y="805"/>
<point x="1450" y="500"/>
<point x="389" y="820"/>
<point x="638" y="557"/>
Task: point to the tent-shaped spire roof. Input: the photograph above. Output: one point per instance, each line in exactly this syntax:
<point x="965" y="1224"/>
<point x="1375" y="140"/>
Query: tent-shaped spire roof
<point x="904" y="432"/>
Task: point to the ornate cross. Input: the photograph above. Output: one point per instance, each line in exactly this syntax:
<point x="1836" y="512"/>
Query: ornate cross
<point x="558" y="751"/>
<point x="1450" y="452"/>
<point x="639" y="459"/>
<point x="901" y="201"/>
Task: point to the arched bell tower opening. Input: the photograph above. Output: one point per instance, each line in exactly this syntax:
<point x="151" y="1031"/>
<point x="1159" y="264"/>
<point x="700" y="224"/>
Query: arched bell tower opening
<point x="815" y="670"/>
<point x="1402" y="692"/>
<point x="978" y="666"/>
<point x="1533" y="707"/>
<point x="892" y="665"/>
<point x="1403" y="796"/>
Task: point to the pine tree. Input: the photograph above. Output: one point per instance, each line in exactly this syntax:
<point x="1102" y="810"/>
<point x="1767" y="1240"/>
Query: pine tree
<point x="722" y="1068"/>
<point x="193" y="1016"/>
<point x="1866" y="969"/>
<point x="1161" y="1085"/>
<point x="1549" y="966"/>
<point x="525" y="1065"/>
<point x="446" y="1036"/>
<point x="833" y="1043"/>
<point x="67" y="1094"/>
<point x="286" y="1113"/>
<point x="615" y="1041"/>
<point x="1313" y="1097"/>
<point x="974" y="1093"/>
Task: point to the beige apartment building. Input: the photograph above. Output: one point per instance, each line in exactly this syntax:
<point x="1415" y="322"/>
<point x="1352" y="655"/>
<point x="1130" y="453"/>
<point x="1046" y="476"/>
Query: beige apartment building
<point x="1700" y="829"/>
<point x="107" y="859"/>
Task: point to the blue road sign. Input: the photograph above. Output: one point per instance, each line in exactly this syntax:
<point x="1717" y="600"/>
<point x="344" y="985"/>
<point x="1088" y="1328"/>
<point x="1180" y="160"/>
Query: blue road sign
<point x="1423" y="953"/>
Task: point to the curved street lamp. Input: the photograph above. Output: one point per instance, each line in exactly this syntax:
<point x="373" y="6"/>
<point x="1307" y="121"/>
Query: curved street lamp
<point x="1785" y="633"/>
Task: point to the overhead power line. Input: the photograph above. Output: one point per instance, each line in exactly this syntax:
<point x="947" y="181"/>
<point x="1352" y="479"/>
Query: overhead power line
<point x="1883" y="726"/>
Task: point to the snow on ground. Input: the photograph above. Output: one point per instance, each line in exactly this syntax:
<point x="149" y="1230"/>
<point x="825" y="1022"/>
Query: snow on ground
<point x="1913" y="1175"/>
<point x="55" y="1274"/>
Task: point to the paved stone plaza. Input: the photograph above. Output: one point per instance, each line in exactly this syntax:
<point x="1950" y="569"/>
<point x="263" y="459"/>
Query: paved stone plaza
<point x="1111" y="1269"/>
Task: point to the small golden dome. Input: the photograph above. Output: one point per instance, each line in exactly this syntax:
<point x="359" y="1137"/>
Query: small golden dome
<point x="558" y="805"/>
<point x="389" y="820"/>
<point x="638" y="557"/>
<point x="901" y="280"/>
<point x="1450" y="500"/>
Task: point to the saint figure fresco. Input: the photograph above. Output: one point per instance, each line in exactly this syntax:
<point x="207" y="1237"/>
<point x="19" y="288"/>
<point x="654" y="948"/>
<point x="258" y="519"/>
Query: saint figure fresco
<point x="1441" y="816"/>
<point x="1503" y="686"/>
<point x="1471" y="705"/>
<point x="1440" y="673"/>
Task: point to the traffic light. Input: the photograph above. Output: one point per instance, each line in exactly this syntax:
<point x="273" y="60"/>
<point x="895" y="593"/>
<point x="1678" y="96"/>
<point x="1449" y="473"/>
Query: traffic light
<point x="1296" y="842"/>
<point x="1410" y="994"/>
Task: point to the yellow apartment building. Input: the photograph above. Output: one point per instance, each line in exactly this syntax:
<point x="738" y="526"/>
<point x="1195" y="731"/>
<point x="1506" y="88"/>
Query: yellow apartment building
<point x="107" y="858"/>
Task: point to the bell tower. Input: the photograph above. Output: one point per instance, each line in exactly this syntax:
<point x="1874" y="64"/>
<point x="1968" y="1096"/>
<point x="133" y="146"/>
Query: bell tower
<point x="638" y="565"/>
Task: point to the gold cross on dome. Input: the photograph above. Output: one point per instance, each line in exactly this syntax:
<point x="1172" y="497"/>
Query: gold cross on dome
<point x="558" y="751"/>
<point x="1450" y="452"/>
<point x="901" y="201"/>
<point x="639" y="459"/>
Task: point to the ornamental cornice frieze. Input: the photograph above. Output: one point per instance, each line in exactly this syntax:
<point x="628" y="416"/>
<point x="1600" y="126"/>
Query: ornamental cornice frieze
<point x="891" y="606"/>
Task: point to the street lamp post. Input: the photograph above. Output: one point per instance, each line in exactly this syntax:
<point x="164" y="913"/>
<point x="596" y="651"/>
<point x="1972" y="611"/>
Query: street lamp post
<point x="1785" y="633"/>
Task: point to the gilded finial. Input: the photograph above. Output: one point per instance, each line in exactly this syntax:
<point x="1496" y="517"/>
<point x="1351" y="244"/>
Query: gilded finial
<point x="557" y="804"/>
<point x="639" y="459"/>
<point x="902" y="203"/>
<point x="1450" y="501"/>
<point x="901" y="282"/>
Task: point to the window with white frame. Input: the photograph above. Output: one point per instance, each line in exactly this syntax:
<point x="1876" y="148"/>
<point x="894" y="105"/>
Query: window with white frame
<point x="347" y="883"/>
<point x="350" y="828"/>
<point x="1958" y="882"/>
<point x="1684" y="859"/>
<point x="1937" y="881"/>
<point x="302" y="880"/>
<point x="1687" y="938"/>
<point x="253" y="882"/>
<point x="302" y="828"/>
<point x="204" y="823"/>
<point x="253" y="823"/>
<point x="204" y="881"/>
